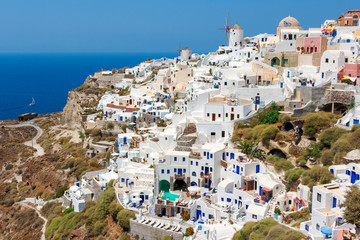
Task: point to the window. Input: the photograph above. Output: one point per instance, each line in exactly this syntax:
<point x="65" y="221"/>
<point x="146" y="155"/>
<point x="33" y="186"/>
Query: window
<point x="223" y="134"/>
<point x="208" y="114"/>
<point x="191" y="162"/>
<point x="211" y="169"/>
<point x="174" y="170"/>
<point x="193" y="174"/>
<point x="162" y="171"/>
<point x="219" y="115"/>
<point x="226" y="115"/>
<point x="318" y="227"/>
<point x="254" y="216"/>
<point x="146" y="197"/>
<point x="211" y="156"/>
<point x="225" y="83"/>
<point x="232" y="109"/>
<point x="184" y="170"/>
<point x="175" y="159"/>
<point x="197" y="163"/>
<point x="183" y="159"/>
<point x="318" y="197"/>
<point x="202" y="167"/>
<point x="233" y="83"/>
<point x="326" y="60"/>
<point x="123" y="180"/>
<point x="238" y="115"/>
<point x="333" y="61"/>
<point x="228" y="199"/>
<point x="222" y="199"/>
<point x="168" y="171"/>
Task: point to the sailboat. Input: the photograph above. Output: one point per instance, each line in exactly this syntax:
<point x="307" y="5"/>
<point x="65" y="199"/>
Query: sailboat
<point x="32" y="103"/>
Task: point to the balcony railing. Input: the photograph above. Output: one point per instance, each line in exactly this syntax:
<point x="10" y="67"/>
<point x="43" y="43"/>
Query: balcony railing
<point x="205" y="175"/>
<point x="179" y="176"/>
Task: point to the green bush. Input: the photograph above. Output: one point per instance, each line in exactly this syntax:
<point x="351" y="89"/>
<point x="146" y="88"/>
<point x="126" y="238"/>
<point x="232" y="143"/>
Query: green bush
<point x="342" y="145"/>
<point x="315" y="121"/>
<point x="313" y="150"/>
<point x="68" y="210"/>
<point x="95" y="132"/>
<point x="60" y="192"/>
<point x="114" y="208"/>
<point x="301" y="161"/>
<point x="327" y="158"/>
<point x="124" y="217"/>
<point x="110" y="125"/>
<point x="294" y="175"/>
<point x="269" y="133"/>
<point x="331" y="135"/>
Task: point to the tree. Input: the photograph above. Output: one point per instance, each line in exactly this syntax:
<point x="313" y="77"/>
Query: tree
<point x="246" y="147"/>
<point x="124" y="217"/>
<point x="331" y="135"/>
<point x="327" y="158"/>
<point x="352" y="206"/>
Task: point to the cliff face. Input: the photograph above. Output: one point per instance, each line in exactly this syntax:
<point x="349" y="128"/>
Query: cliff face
<point x="74" y="108"/>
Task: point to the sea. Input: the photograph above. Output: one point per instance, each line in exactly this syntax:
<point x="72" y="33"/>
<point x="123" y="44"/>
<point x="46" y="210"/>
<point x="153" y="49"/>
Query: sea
<point x="48" y="77"/>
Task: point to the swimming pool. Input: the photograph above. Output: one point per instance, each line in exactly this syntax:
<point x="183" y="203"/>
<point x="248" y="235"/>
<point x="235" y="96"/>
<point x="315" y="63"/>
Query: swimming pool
<point x="171" y="196"/>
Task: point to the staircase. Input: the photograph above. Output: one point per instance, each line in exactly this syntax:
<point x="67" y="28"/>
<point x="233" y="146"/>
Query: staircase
<point x="187" y="139"/>
<point x="272" y="203"/>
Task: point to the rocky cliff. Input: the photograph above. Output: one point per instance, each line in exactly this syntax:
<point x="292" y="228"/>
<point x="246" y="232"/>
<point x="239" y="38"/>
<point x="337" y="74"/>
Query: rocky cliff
<point x="73" y="111"/>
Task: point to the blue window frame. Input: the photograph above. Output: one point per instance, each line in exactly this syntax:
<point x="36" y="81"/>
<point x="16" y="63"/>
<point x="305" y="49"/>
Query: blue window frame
<point x="191" y="162"/>
<point x="183" y="159"/>
<point x="211" y="169"/>
<point x="228" y="199"/>
<point x="175" y="170"/>
<point x="175" y="159"/>
<point x="204" y="154"/>
<point x="197" y="163"/>
<point x="168" y="171"/>
<point x="202" y="167"/>
<point x="123" y="180"/>
<point x="211" y="155"/>
<point x="318" y="197"/>
<point x="222" y="199"/>
<point x="162" y="171"/>
<point x="194" y="174"/>
<point x="146" y="197"/>
<point x="184" y="170"/>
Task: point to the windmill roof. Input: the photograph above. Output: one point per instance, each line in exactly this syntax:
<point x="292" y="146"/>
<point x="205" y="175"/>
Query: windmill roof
<point x="237" y="26"/>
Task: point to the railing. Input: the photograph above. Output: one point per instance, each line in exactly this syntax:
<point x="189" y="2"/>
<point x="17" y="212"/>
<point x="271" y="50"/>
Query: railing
<point x="179" y="176"/>
<point x="205" y="175"/>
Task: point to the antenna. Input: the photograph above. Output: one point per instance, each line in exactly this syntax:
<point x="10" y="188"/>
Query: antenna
<point x="226" y="27"/>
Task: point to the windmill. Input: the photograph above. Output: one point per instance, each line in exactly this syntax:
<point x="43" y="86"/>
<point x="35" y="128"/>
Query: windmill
<point x="226" y="27"/>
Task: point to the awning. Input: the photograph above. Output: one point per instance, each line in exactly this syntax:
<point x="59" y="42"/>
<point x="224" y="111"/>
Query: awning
<point x="326" y="230"/>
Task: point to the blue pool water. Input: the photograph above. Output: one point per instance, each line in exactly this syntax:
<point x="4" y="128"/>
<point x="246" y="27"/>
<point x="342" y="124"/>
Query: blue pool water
<point x="48" y="77"/>
<point x="171" y="196"/>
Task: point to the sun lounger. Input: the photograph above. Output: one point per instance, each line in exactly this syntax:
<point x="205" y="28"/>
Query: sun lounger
<point x="157" y="224"/>
<point x="177" y="228"/>
<point x="167" y="226"/>
<point x="143" y="220"/>
<point x="173" y="228"/>
<point x="161" y="225"/>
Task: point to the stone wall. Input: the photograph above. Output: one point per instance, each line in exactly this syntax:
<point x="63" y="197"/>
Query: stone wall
<point x="338" y="96"/>
<point x="142" y="231"/>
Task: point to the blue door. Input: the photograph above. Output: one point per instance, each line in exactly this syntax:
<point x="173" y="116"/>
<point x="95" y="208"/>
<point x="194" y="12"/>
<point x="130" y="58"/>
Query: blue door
<point x="255" y="184"/>
<point x="334" y="202"/>
<point x="125" y="140"/>
<point x="257" y="168"/>
<point x="223" y="156"/>
<point x="232" y="155"/>
<point x="353" y="177"/>
<point x="237" y="170"/>
<point x="332" y="171"/>
<point x="198" y="214"/>
<point x="180" y="171"/>
<point x="207" y="155"/>
<point x="356" y="121"/>
<point x="260" y="188"/>
<point x="206" y="170"/>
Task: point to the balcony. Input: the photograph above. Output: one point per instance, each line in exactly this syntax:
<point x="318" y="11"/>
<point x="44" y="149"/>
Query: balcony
<point x="179" y="176"/>
<point x="205" y="175"/>
<point x="223" y="164"/>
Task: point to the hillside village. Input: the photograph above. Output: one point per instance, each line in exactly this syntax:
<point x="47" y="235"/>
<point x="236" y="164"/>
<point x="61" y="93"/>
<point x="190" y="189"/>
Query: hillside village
<point x="262" y="132"/>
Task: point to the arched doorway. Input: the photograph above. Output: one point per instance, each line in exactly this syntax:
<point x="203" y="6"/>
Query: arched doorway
<point x="164" y="185"/>
<point x="180" y="185"/>
<point x="275" y="62"/>
<point x="142" y="196"/>
<point x="278" y="153"/>
<point x="193" y="184"/>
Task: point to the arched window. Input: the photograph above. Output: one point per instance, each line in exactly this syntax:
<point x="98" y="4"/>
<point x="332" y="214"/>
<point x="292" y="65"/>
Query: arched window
<point x="355" y="16"/>
<point x="194" y="174"/>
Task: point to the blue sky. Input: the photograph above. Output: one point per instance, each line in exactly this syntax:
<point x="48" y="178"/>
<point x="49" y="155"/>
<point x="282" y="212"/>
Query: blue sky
<point x="146" y="26"/>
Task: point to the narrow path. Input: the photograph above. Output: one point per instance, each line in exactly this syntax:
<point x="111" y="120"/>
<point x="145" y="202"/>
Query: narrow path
<point x="32" y="143"/>
<point x="39" y="214"/>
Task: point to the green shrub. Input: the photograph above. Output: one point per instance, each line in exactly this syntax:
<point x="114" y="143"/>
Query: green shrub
<point x="313" y="150"/>
<point x="114" y="208"/>
<point x="68" y="210"/>
<point x="189" y="231"/>
<point x="294" y="175"/>
<point x="315" y="121"/>
<point x="60" y="192"/>
<point x="124" y="217"/>
<point x="95" y="132"/>
<point x="269" y="133"/>
<point x="110" y="125"/>
<point x="331" y="135"/>
<point x="327" y="158"/>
